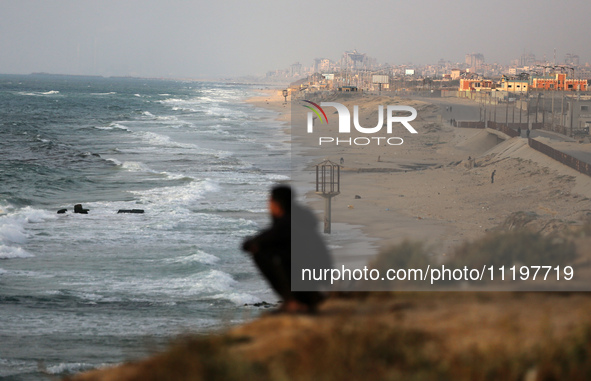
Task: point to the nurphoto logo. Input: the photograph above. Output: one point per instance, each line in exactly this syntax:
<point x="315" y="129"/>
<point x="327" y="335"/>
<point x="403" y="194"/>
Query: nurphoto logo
<point x="345" y="124"/>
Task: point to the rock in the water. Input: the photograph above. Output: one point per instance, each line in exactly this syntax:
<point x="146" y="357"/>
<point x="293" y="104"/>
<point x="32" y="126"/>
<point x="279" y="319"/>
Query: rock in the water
<point x="79" y="209"/>
<point x="62" y="211"/>
<point x="136" y="211"/>
<point x="262" y="304"/>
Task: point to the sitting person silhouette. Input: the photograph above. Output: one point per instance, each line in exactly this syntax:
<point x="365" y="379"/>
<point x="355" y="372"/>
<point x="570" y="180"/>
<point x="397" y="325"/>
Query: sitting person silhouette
<point x="293" y="228"/>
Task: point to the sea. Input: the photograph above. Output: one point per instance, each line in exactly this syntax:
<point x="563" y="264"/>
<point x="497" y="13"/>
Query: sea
<point x="81" y="291"/>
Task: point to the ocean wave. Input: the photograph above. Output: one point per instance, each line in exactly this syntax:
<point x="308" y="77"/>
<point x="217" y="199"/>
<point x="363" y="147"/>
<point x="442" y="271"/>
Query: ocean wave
<point x="165" y="141"/>
<point x="200" y="257"/>
<point x="136" y="166"/>
<point x="238" y="298"/>
<point x="38" y="93"/>
<point x="277" y="177"/>
<point x="67" y="368"/>
<point x="113" y="126"/>
<point x="114" y="161"/>
<point x="178" y="196"/>
<point x="12" y="231"/>
<point x="11" y="252"/>
<point x="214" y="281"/>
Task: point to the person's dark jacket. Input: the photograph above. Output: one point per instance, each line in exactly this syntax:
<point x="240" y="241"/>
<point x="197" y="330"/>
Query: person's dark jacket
<point x="294" y="240"/>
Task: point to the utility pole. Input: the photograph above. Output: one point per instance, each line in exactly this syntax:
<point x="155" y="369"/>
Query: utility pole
<point x="562" y="121"/>
<point x="520" y="107"/>
<point x="496" y="101"/>
<point x="507" y="112"/>
<point x="572" y="113"/>
<point x="553" y="122"/>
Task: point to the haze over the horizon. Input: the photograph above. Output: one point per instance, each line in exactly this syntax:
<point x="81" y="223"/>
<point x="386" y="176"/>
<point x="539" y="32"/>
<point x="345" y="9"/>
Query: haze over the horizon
<point x="206" y="39"/>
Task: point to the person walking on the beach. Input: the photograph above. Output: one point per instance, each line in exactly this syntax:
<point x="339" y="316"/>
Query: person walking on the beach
<point x="492" y="176"/>
<point x="271" y="250"/>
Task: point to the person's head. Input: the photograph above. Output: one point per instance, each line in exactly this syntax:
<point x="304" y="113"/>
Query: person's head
<point x="280" y="202"/>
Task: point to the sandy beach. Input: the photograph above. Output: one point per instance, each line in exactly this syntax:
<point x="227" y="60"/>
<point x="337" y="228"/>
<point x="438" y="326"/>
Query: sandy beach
<point x="436" y="187"/>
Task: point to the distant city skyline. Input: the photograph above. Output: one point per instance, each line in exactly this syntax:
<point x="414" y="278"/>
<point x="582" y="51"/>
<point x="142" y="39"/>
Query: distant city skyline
<point x="231" y="38"/>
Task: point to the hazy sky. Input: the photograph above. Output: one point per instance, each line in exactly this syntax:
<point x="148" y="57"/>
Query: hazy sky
<point x="193" y="38"/>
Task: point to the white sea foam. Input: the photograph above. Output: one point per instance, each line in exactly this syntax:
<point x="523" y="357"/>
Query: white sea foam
<point x="214" y="281"/>
<point x="136" y="166"/>
<point x="277" y="177"/>
<point x="114" y="161"/>
<point x="182" y="196"/>
<point x="165" y="141"/>
<point x="10" y="252"/>
<point x="73" y="367"/>
<point x="113" y="126"/>
<point x="51" y="92"/>
<point x="239" y="298"/>
<point x="12" y="231"/>
<point x="199" y="256"/>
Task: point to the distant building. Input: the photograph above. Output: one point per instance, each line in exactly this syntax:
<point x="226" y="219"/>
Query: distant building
<point x="528" y="59"/>
<point x="476" y="84"/>
<point x="456" y="73"/>
<point x="353" y="60"/>
<point x="513" y="85"/>
<point x="558" y="82"/>
<point x="580" y="114"/>
<point x="474" y="60"/>
<point x="571" y="59"/>
<point x="296" y="69"/>
<point x="322" y="65"/>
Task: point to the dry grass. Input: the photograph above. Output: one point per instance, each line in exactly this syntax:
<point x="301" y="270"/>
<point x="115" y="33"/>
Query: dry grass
<point x="348" y="350"/>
